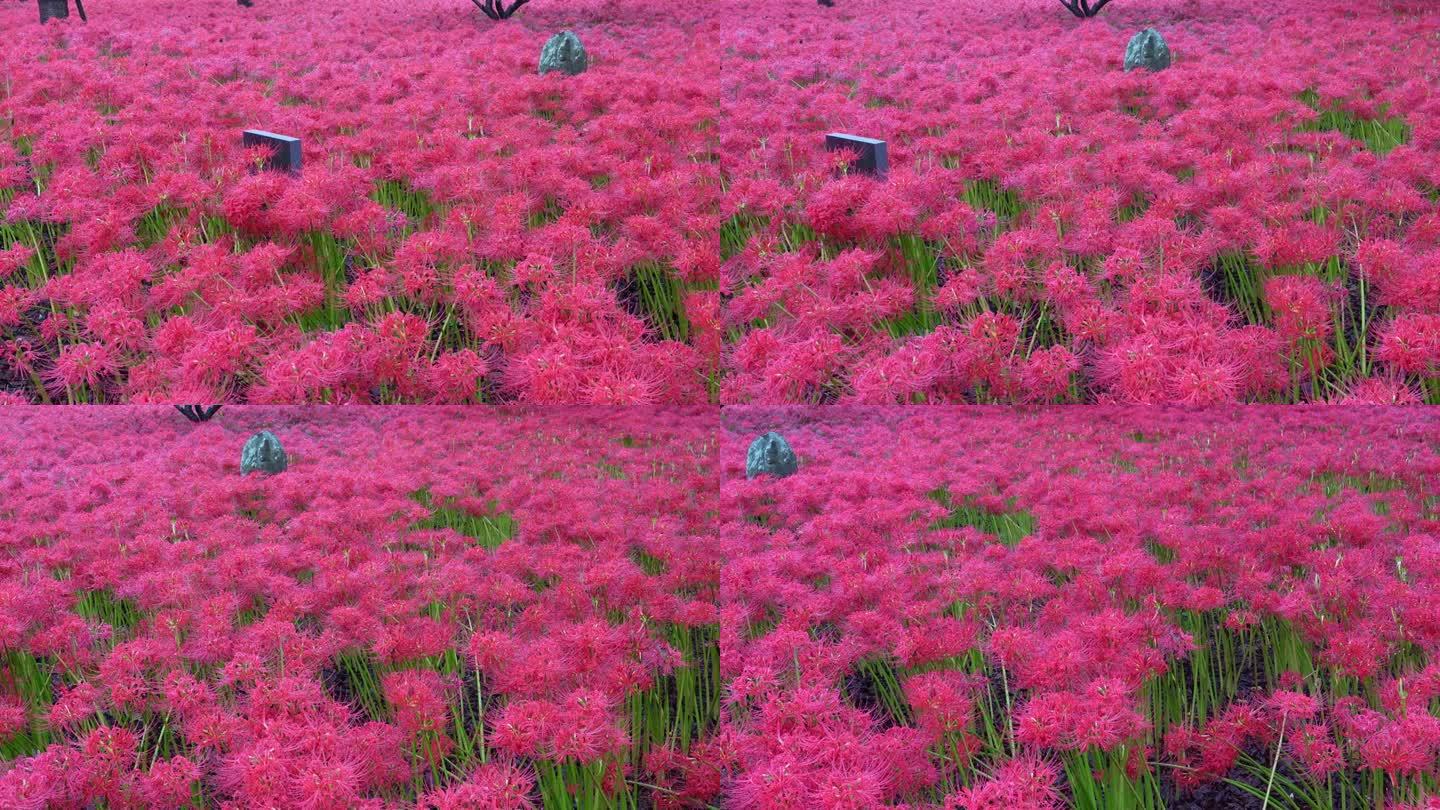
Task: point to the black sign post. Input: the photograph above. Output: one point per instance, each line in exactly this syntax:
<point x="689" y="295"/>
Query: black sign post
<point x="874" y="156"/>
<point x="286" y="149"/>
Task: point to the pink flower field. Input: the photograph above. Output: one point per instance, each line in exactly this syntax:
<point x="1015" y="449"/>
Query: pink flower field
<point x="426" y="609"/>
<point x="1259" y="222"/>
<point x="463" y="229"/>
<point x="790" y="405"/>
<point x="594" y="609"/>
<point x="1119" y="608"/>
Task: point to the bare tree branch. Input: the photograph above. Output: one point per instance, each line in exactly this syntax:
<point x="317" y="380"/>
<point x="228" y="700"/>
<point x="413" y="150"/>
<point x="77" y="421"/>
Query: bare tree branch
<point x="514" y="8"/>
<point x="198" y="413"/>
<point x="1082" y="8"/>
<point x="497" y="10"/>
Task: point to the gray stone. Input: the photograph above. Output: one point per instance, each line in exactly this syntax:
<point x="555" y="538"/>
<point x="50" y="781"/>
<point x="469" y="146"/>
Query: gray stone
<point x="563" y="52"/>
<point x="263" y="452"/>
<point x="1148" y="50"/>
<point x="770" y="455"/>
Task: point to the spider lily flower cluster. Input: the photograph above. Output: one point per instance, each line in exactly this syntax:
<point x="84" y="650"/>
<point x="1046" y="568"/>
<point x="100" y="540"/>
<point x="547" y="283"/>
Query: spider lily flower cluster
<point x="463" y="230"/>
<point x="1083" y="608"/>
<point x="596" y="609"/>
<point x="1259" y="223"/>
<point x="426" y="609"/>
<point x="512" y="607"/>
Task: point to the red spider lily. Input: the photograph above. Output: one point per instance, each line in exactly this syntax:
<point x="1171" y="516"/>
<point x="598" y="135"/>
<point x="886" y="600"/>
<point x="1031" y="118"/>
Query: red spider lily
<point x="443" y="629"/>
<point x="137" y="225"/>
<point x="1157" y="236"/>
<point x="1042" y="601"/>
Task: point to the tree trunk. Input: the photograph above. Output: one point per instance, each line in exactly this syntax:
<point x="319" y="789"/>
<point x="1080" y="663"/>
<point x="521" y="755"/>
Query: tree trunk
<point x="54" y="9"/>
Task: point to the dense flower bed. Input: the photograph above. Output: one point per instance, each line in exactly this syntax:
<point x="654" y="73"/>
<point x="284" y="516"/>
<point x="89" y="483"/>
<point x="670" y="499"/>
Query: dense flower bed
<point x="463" y="229"/>
<point x="1116" y="608"/>
<point x="429" y="608"/>
<point x="1259" y="222"/>
<point x="973" y="608"/>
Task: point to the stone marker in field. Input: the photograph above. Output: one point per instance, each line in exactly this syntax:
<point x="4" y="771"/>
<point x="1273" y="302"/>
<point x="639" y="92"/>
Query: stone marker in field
<point x="1148" y="50"/>
<point x="874" y="154"/>
<point x="54" y="10"/>
<point x="263" y="452"/>
<point x="285" y="149"/>
<point x="770" y="455"/>
<point x="563" y="52"/>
